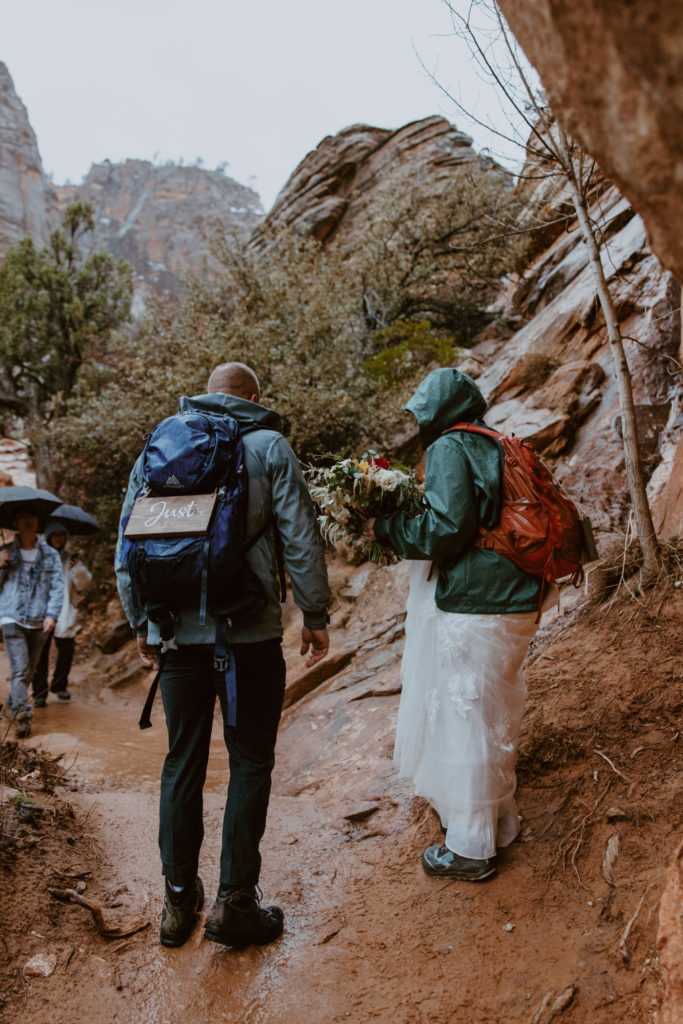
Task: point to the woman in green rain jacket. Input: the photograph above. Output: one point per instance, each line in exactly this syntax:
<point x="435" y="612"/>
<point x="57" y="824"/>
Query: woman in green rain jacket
<point x="468" y="627"/>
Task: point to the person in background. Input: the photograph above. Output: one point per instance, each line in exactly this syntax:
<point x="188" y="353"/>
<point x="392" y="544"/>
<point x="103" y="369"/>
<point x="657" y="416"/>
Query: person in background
<point x="31" y="595"/>
<point x="76" y="580"/>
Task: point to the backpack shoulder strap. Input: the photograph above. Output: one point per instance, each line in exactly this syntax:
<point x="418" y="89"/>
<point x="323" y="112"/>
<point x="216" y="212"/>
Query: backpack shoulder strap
<point x="471" y="428"/>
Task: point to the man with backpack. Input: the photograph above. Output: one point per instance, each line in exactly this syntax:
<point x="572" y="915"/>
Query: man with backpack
<point x="216" y="636"/>
<point x="474" y="605"/>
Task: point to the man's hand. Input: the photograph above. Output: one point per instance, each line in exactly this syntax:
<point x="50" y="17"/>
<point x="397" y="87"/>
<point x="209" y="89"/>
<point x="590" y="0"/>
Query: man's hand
<point x="149" y="656"/>
<point x="4" y="557"/>
<point x="319" y="642"/>
<point x="49" y="624"/>
<point x="369" y="529"/>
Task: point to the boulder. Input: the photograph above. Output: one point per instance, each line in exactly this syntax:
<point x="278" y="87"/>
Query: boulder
<point x="329" y="192"/>
<point x="613" y="75"/>
<point x="113" y="635"/>
<point x="550" y="415"/>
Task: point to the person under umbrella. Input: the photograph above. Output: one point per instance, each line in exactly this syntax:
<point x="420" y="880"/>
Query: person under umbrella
<point x="78" y="522"/>
<point x="31" y="596"/>
<point x="76" y="580"/>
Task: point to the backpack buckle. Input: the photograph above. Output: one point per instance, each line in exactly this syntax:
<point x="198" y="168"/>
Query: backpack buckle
<point x="221" y="662"/>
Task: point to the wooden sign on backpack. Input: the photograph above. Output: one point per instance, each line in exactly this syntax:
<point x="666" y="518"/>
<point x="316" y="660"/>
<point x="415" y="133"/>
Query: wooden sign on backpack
<point x="186" y="515"/>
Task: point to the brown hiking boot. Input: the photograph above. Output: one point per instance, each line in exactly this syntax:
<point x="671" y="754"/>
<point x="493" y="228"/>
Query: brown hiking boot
<point x="237" y="919"/>
<point x="179" y="915"/>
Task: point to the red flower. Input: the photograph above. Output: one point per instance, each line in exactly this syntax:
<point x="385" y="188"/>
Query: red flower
<point x="380" y="463"/>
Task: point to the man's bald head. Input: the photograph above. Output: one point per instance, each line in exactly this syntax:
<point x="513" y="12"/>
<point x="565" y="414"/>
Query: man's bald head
<point x="235" y="379"/>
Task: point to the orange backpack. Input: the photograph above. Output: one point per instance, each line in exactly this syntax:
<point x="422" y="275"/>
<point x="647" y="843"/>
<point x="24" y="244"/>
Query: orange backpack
<point x="540" y="529"/>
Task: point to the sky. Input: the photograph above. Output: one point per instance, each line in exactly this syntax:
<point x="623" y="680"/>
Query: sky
<point x="253" y="85"/>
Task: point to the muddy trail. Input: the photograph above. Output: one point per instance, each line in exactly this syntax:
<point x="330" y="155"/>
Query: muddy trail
<point x="566" y="931"/>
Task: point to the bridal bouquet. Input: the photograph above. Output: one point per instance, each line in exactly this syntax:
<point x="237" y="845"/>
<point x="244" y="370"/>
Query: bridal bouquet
<point x="355" y="490"/>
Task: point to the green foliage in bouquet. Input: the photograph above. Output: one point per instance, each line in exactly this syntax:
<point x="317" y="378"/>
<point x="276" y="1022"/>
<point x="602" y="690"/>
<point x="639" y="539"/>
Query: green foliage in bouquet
<point x="354" y="490"/>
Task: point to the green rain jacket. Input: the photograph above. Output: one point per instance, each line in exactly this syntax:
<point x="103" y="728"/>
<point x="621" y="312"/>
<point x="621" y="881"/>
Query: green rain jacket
<point x="462" y="489"/>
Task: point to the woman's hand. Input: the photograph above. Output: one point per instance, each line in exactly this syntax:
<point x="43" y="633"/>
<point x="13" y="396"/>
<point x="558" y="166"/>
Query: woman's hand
<point x="369" y="529"/>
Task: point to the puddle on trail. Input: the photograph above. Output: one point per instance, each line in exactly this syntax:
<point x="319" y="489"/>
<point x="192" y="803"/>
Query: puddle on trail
<point x="106" y="743"/>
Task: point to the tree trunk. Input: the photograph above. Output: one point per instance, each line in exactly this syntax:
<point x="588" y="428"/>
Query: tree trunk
<point x="42" y="458"/>
<point x="634" y="471"/>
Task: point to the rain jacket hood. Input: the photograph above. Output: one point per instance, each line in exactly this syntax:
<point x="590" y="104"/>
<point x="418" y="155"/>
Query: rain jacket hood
<point x="53" y="526"/>
<point x="241" y="409"/>
<point x="444" y="398"/>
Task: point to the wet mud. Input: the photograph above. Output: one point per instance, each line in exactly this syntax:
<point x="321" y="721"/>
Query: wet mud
<point x="368" y="937"/>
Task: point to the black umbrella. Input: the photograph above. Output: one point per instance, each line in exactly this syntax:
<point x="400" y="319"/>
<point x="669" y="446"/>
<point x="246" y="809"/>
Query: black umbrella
<point x="77" y="522"/>
<point x="12" y="498"/>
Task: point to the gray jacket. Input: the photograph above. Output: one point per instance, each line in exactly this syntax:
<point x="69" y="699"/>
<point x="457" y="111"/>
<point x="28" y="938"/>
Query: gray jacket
<point x="277" y="490"/>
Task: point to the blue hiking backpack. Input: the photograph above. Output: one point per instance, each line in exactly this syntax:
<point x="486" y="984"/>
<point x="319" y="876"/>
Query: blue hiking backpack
<point x="196" y="453"/>
<point x="193" y="453"/>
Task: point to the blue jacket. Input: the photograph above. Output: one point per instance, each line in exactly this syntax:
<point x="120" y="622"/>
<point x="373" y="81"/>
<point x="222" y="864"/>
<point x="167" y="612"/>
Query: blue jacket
<point x="30" y="597"/>
<point x="276" y="489"/>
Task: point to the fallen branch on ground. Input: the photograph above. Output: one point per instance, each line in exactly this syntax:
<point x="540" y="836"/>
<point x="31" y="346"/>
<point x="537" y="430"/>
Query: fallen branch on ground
<point x="71" y="896"/>
<point x="609" y="858"/>
<point x="612" y="765"/>
<point x="623" y="942"/>
<point x="564" y="1000"/>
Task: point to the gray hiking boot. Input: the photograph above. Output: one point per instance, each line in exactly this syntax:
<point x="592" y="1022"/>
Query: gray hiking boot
<point x="237" y="919"/>
<point x="22" y="726"/>
<point x="441" y="862"/>
<point x="179" y="915"/>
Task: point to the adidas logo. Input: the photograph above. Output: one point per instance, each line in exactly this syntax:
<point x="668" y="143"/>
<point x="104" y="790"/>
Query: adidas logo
<point x="173" y="481"/>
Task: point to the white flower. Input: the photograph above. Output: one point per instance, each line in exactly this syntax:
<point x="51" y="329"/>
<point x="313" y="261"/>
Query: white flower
<point x="388" y="479"/>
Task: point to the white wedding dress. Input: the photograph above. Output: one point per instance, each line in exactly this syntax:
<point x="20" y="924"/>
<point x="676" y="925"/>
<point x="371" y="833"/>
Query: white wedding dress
<point x="460" y="713"/>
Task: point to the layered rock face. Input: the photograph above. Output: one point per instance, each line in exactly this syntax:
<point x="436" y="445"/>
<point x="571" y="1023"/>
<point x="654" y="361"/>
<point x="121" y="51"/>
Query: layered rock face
<point x="329" y="192"/>
<point x="614" y="75"/>
<point x="27" y="200"/>
<point x="160" y="218"/>
<point x="157" y="218"/>
<point x="551" y="379"/>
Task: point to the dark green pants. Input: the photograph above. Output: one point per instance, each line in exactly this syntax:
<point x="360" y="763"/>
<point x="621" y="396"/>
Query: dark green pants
<point x="189" y="685"/>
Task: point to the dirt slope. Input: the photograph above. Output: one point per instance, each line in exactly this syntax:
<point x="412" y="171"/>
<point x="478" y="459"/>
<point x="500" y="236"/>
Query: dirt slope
<point x="368" y="936"/>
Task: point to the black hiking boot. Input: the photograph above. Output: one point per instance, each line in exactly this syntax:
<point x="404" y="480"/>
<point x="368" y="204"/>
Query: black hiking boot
<point x="441" y="862"/>
<point x="237" y="919"/>
<point x="179" y="915"/>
